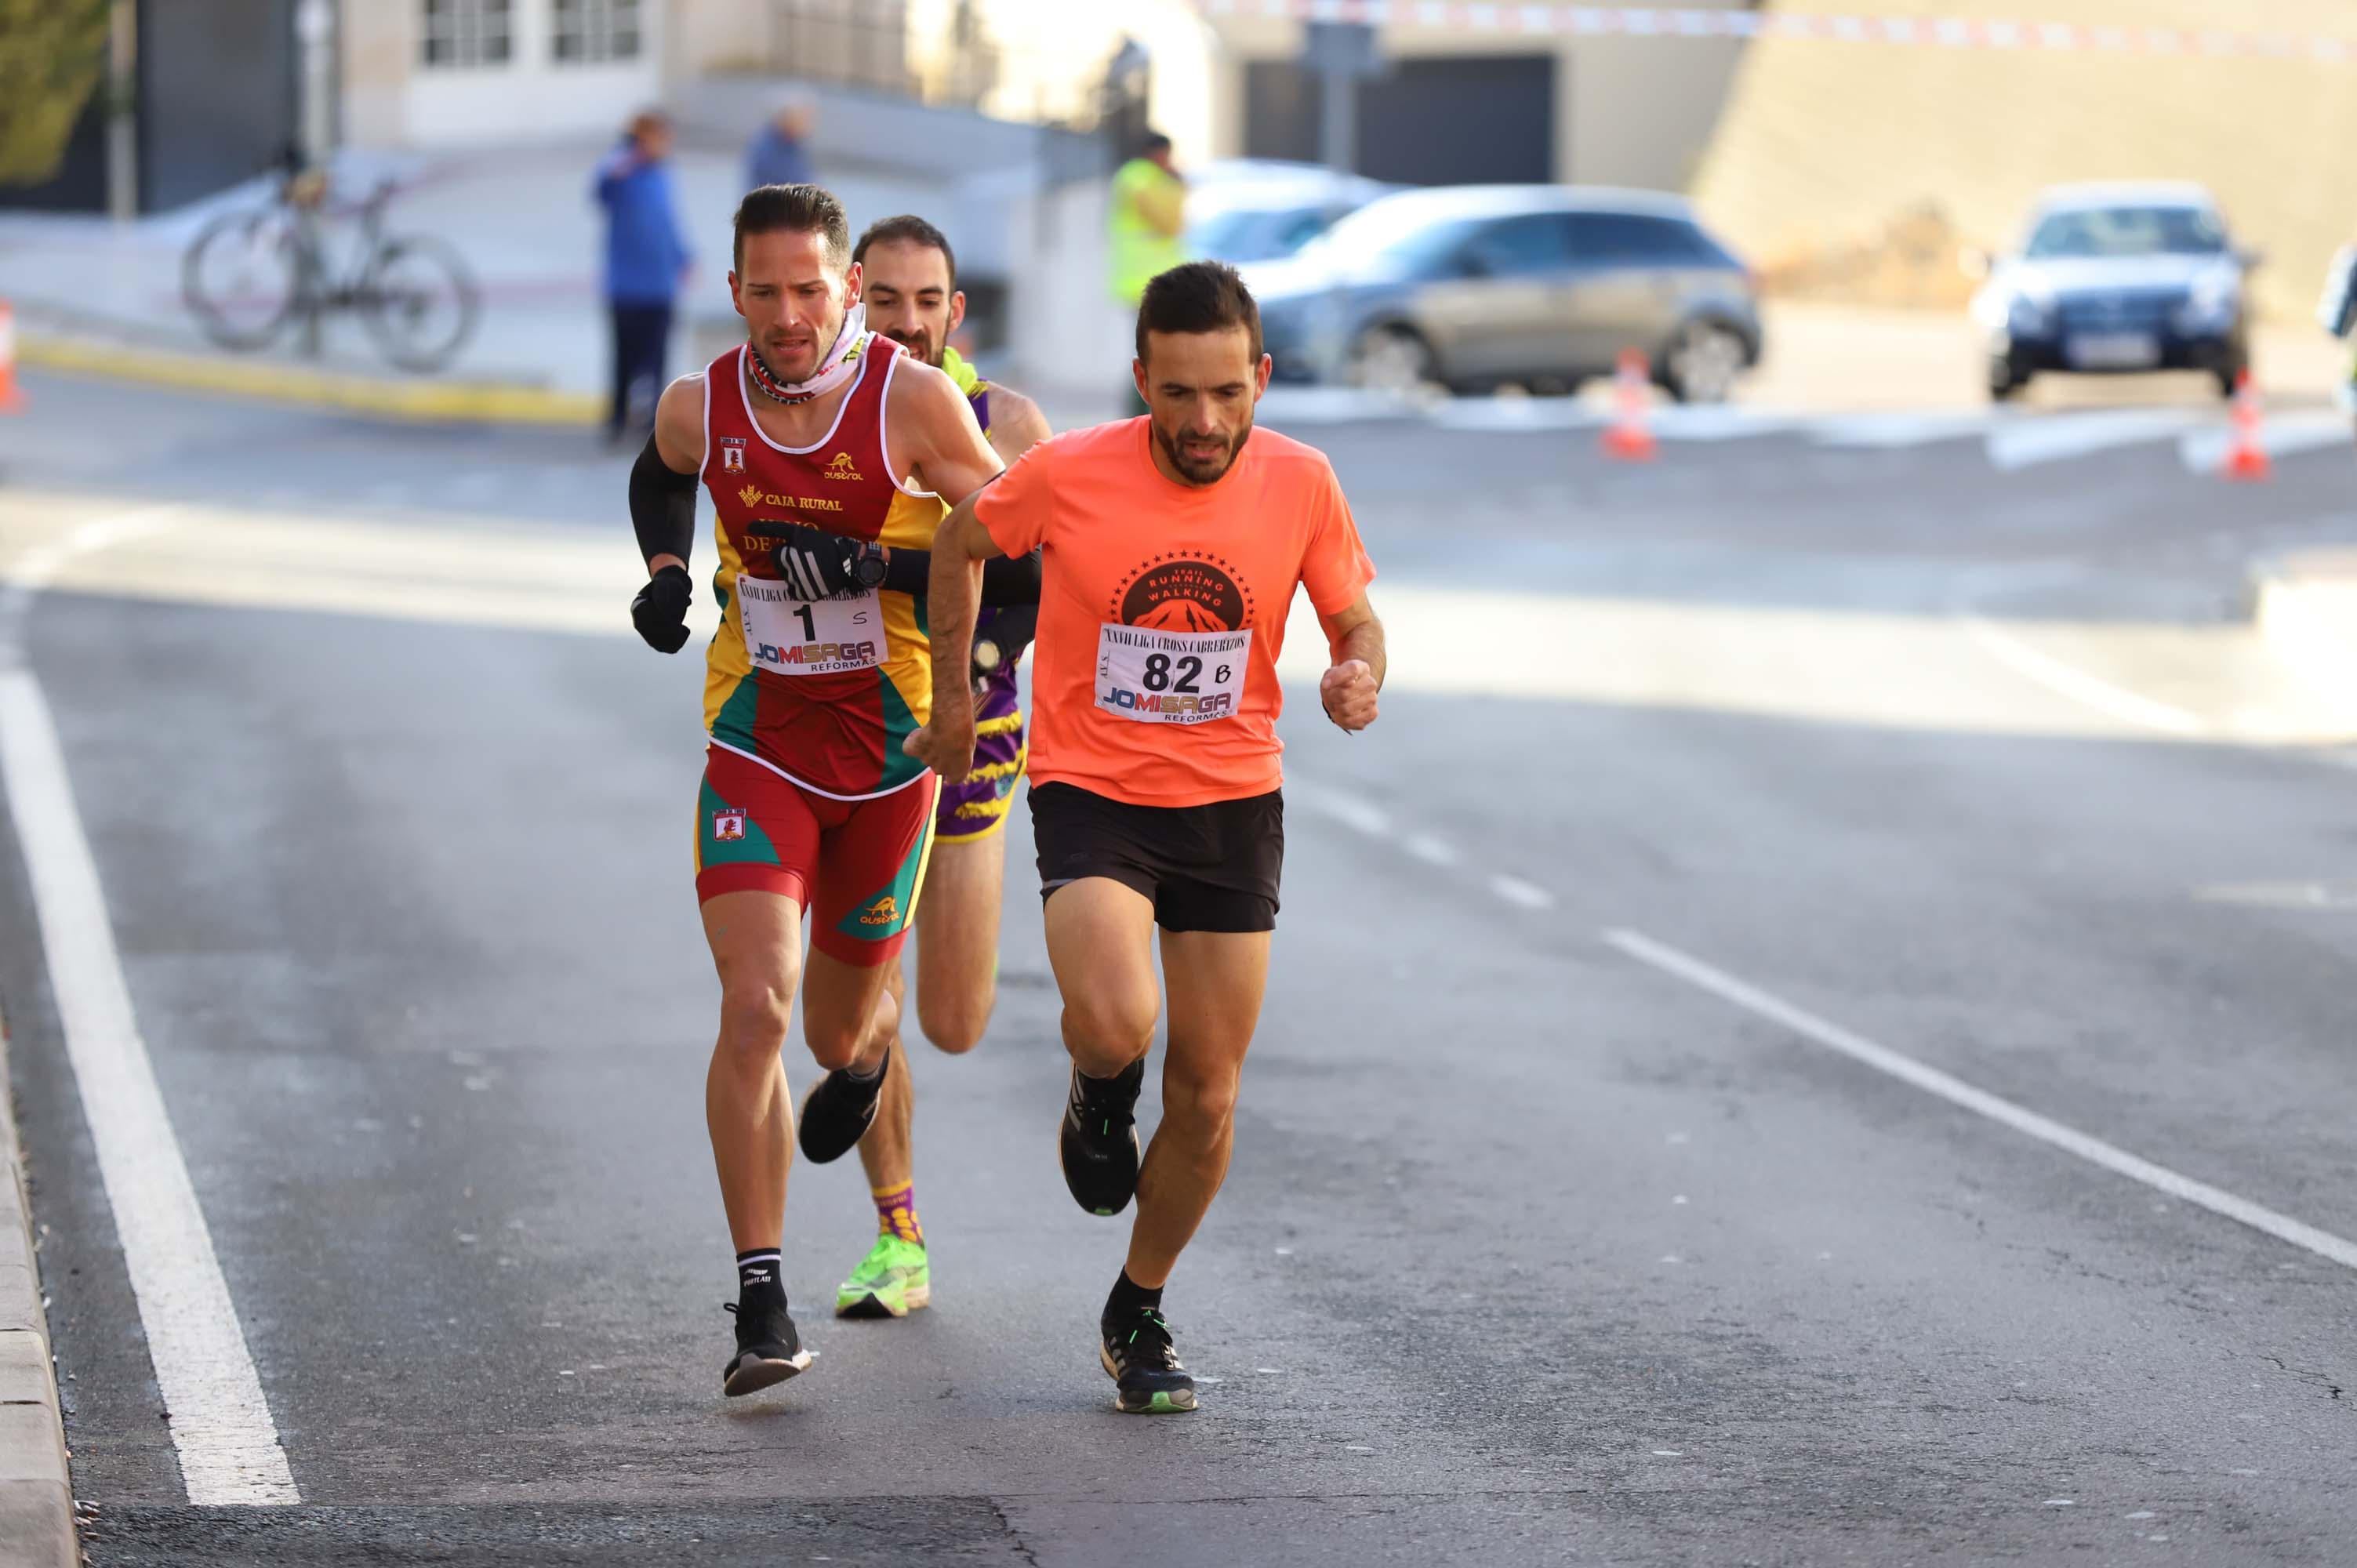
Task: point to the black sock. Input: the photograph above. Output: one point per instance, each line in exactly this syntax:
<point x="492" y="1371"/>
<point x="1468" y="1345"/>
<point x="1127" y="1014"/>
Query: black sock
<point x="756" y="1278"/>
<point x="1129" y="1298"/>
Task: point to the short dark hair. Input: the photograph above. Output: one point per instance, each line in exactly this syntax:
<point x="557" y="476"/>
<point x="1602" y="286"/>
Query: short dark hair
<point x="795" y="209"/>
<point x="908" y="229"/>
<point x="1155" y="142"/>
<point x="1199" y="297"/>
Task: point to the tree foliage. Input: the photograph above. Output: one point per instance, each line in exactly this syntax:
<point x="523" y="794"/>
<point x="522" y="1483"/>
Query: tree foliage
<point x="53" y="56"/>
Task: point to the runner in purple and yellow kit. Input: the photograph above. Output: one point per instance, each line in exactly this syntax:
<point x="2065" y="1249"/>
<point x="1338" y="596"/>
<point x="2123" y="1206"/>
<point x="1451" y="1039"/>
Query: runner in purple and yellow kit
<point x="909" y="289"/>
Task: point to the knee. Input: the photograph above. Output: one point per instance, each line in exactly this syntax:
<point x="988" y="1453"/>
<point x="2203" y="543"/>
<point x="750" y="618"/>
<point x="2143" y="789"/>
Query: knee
<point x="1112" y="1025"/>
<point x="838" y="1044"/>
<point x="955" y="1027"/>
<point x="753" y="1019"/>
<point x="1202" y="1105"/>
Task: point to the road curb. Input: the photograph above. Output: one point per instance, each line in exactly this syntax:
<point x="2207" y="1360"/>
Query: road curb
<point x="2306" y="608"/>
<point x="37" y="1527"/>
<point x="481" y="403"/>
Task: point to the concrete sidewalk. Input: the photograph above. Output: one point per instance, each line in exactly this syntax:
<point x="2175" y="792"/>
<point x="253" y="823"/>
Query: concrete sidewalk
<point x="90" y="295"/>
<point x="2307" y="612"/>
<point x="37" y="1528"/>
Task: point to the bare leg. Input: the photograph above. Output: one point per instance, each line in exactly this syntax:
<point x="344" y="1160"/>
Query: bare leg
<point x="756" y="940"/>
<point x="848" y="1015"/>
<point x="1216" y="980"/>
<point x="957" y="984"/>
<point x="1101" y="945"/>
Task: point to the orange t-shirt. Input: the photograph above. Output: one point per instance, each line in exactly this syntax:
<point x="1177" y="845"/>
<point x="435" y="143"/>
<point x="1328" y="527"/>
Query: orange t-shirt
<point x="1154" y="673"/>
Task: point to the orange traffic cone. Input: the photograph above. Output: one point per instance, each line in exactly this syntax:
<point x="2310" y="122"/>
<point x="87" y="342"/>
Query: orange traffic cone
<point x="2246" y="455"/>
<point x="11" y="400"/>
<point x="1628" y="438"/>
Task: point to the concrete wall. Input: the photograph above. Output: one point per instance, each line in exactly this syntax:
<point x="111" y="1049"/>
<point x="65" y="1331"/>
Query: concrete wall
<point x="1629" y="111"/>
<point x="1977" y="133"/>
<point x="391" y="99"/>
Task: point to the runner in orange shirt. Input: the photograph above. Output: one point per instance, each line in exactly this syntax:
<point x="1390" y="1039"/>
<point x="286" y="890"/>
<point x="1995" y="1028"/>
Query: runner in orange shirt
<point x="1172" y="546"/>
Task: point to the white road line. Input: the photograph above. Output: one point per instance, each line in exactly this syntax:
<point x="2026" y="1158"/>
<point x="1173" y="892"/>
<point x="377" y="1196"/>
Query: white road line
<point x="1957" y="1092"/>
<point x="2078" y="685"/>
<point x="220" y="1424"/>
<point x="1429" y="849"/>
<point x="2020" y="443"/>
<point x="2283" y="435"/>
<point x="1528" y="894"/>
<point x="1362" y="816"/>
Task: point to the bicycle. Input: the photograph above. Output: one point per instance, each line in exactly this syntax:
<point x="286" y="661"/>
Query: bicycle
<point x="247" y="274"/>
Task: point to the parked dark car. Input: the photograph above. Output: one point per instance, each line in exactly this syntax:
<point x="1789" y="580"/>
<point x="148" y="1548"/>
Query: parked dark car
<point x="1476" y="286"/>
<point x="2117" y="280"/>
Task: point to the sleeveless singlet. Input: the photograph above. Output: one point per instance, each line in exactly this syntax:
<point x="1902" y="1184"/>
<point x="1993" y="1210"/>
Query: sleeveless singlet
<point x="822" y="692"/>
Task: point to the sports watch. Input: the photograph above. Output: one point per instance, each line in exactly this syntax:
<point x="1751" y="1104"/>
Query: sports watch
<point x="868" y="566"/>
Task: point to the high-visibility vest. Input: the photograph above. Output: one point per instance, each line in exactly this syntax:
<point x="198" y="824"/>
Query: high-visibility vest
<point x="1138" y="251"/>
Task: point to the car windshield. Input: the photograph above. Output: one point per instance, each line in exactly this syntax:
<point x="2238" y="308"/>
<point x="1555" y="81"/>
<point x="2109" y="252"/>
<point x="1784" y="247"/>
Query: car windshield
<point x="1255" y="233"/>
<point x="1405" y="235"/>
<point x="2128" y="231"/>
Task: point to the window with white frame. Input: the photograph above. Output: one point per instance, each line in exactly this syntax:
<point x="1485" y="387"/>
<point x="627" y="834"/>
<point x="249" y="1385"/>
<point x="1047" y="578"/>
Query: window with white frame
<point x="460" y="34"/>
<point x="591" y="32"/>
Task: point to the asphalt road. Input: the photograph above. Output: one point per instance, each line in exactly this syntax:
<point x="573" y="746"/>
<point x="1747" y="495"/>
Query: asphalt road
<point x="1561" y="1227"/>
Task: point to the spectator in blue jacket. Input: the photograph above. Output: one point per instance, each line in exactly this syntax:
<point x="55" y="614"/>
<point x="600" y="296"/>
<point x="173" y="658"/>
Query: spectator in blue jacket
<point x="780" y="151"/>
<point x="646" y="262"/>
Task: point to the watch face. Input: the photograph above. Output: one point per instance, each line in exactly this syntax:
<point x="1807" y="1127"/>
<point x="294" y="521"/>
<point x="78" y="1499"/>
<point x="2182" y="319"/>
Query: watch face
<point x="867" y="569"/>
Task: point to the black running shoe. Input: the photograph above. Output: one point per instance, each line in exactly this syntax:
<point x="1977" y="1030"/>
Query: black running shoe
<point x="1144" y="1366"/>
<point x="837" y="1113"/>
<point x="767" y="1351"/>
<point x="1098" y="1148"/>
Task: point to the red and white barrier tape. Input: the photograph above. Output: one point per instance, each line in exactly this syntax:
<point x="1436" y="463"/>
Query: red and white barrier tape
<point x="1947" y="32"/>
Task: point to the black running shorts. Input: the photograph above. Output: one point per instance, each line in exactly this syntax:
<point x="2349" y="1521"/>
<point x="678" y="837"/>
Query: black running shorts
<point x="1208" y="868"/>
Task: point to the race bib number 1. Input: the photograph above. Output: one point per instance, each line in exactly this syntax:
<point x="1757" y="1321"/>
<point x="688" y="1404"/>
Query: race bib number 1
<point x="787" y="636"/>
<point x="1171" y="677"/>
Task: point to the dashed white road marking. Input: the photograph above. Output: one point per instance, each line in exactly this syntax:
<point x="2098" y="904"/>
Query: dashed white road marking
<point x="1957" y="1092"/>
<point x="2075" y="684"/>
<point x="1526" y="895"/>
<point x="1429" y="849"/>
<point x="220" y="1424"/>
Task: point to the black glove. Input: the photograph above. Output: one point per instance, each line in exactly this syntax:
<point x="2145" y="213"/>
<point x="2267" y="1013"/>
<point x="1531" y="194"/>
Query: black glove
<point x="813" y="563"/>
<point x="1002" y="642"/>
<point x="660" y="612"/>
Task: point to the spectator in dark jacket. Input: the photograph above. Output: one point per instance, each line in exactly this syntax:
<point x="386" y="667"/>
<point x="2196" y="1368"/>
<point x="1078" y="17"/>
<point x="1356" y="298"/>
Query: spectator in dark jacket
<point x="780" y="151"/>
<point x="646" y="262"/>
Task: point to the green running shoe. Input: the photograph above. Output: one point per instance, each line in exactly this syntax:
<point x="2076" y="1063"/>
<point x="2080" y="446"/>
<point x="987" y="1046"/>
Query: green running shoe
<point x="893" y="1280"/>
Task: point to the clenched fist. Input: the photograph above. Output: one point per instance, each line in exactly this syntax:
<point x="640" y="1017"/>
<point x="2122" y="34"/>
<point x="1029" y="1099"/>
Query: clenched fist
<point x="1348" y="691"/>
<point x="947" y="750"/>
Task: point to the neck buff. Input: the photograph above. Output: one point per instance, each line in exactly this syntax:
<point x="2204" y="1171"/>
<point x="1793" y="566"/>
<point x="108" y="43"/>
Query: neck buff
<point x="953" y="365"/>
<point x="841" y="363"/>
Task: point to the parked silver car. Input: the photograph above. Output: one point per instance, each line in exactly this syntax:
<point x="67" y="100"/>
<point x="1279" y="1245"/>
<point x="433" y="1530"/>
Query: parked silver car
<point x="1474" y="286"/>
<point x="1261" y="209"/>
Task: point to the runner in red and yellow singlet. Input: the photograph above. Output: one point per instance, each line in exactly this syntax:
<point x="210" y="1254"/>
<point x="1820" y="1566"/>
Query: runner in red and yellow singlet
<point x="1172" y="548"/>
<point x="821" y="446"/>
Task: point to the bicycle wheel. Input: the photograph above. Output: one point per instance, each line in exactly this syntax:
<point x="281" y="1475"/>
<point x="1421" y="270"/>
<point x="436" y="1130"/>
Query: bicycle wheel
<point x="419" y="303"/>
<point x="240" y="276"/>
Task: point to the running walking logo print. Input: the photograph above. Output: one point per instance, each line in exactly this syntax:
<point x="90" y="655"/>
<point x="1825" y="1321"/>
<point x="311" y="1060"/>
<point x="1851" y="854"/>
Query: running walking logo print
<point x="1176" y="641"/>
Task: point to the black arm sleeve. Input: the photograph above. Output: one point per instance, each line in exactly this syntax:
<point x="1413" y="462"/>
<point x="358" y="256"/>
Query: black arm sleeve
<point x="662" y="506"/>
<point x="1005" y="580"/>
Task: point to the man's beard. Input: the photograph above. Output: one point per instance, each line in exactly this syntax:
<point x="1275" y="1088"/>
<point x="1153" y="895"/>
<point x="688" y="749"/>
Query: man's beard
<point x="920" y="346"/>
<point x="1193" y="471"/>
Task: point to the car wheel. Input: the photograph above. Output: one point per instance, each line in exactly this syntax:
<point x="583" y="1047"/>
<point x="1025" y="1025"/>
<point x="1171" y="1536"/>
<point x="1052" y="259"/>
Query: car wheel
<point x="1391" y="359"/>
<point x="1703" y="361"/>
<point x="2230" y="379"/>
<point x="2003" y="384"/>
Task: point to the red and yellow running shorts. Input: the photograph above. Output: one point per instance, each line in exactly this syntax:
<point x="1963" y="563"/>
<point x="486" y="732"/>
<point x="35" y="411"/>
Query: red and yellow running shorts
<point x="854" y="866"/>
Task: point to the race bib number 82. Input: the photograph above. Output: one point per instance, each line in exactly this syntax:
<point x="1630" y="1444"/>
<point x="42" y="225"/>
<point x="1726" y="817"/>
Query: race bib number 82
<point x="1171" y="677"/>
